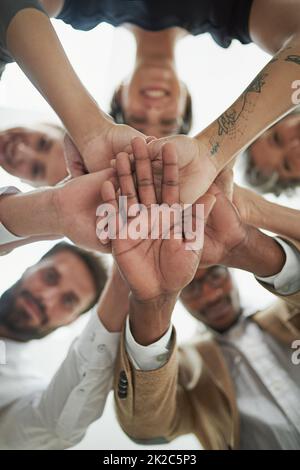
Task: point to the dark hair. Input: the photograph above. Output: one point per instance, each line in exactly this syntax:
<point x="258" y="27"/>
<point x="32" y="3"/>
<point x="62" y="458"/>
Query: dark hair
<point x="116" y="112"/>
<point x="92" y="261"/>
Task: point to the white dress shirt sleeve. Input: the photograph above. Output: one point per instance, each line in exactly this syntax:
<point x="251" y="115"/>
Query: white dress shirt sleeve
<point x="287" y="281"/>
<point x="150" y="357"/>
<point x="58" y="416"/>
<point x="5" y="235"/>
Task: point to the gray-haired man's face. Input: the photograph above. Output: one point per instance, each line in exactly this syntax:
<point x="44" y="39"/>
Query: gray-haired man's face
<point x="278" y="149"/>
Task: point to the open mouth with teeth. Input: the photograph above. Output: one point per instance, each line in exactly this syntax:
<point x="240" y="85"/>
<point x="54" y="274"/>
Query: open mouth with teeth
<point x="155" y="93"/>
<point x="9" y="151"/>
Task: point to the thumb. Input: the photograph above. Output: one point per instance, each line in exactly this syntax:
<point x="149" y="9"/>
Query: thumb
<point x="155" y="148"/>
<point x="74" y="161"/>
<point x="224" y="181"/>
<point x="208" y="201"/>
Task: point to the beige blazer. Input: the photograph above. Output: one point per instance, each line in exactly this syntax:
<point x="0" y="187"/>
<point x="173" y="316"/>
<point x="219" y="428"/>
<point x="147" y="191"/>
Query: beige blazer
<point x="193" y="392"/>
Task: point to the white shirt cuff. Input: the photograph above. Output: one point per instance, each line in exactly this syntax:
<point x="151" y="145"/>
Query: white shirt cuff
<point x="5" y="235"/>
<point x="149" y="357"/>
<point x="287" y="281"/>
<point x="96" y="345"/>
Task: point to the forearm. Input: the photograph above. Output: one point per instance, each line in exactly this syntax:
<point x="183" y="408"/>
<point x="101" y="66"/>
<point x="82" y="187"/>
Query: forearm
<point x="33" y="43"/>
<point x="274" y="217"/>
<point x="114" y="304"/>
<point x="57" y="416"/>
<point x="150" y="320"/>
<point x="31" y="214"/>
<point x="264" y="102"/>
<point x="258" y="254"/>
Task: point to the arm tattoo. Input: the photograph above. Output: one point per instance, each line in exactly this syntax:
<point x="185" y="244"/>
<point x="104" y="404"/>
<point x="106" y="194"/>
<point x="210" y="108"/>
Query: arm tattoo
<point x="228" y="119"/>
<point x="293" y="58"/>
<point x="214" y="148"/>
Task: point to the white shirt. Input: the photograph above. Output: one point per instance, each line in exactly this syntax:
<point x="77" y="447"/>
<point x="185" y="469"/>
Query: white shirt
<point x="6" y="236"/>
<point x="35" y="415"/>
<point x="267" y="384"/>
<point x="267" y="387"/>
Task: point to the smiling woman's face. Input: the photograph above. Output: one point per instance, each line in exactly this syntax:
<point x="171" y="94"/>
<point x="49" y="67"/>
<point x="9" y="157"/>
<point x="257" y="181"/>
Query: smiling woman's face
<point x="154" y="101"/>
<point x="278" y="149"/>
<point x="35" y="155"/>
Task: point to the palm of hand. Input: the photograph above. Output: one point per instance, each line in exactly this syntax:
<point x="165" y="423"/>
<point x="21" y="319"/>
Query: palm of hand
<point x="165" y="263"/>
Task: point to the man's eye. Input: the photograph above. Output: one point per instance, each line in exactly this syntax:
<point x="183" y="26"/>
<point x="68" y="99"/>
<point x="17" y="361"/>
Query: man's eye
<point x="276" y="138"/>
<point x="68" y="301"/>
<point x="50" y="277"/>
<point x="44" y="144"/>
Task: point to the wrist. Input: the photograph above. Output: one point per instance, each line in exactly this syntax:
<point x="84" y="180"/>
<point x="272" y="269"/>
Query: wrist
<point x="259" y="211"/>
<point x="30" y="214"/>
<point x="150" y="320"/>
<point x="257" y="253"/>
<point x="211" y="144"/>
<point x="83" y="131"/>
<point x="113" y="306"/>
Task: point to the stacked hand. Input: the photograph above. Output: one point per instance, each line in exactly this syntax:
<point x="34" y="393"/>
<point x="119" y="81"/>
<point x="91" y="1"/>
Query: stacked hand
<point x="76" y="203"/>
<point x="197" y="169"/>
<point x="99" y="149"/>
<point x="151" y="267"/>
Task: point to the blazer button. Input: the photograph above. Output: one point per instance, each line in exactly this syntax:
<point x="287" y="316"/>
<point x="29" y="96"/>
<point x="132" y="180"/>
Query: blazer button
<point x="122" y="378"/>
<point x="122" y="395"/>
<point x="122" y="385"/>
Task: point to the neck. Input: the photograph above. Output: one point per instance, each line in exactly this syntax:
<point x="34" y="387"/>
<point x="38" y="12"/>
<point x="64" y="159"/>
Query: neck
<point x="156" y="48"/>
<point x="4" y="333"/>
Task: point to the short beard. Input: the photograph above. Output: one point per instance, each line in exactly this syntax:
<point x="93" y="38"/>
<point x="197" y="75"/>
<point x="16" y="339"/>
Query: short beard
<point x="8" y="311"/>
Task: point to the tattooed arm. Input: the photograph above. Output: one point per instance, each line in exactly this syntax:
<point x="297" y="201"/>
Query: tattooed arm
<point x="275" y="26"/>
<point x="266" y="100"/>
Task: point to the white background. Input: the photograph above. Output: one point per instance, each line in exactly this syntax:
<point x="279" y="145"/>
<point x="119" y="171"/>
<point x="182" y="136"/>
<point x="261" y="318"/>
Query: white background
<point x="103" y="57"/>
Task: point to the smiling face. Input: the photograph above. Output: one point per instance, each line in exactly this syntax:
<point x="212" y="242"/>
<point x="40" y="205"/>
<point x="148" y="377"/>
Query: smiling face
<point x="50" y="294"/>
<point x="278" y="150"/>
<point x="154" y="100"/>
<point x="35" y="155"/>
<point x="212" y="298"/>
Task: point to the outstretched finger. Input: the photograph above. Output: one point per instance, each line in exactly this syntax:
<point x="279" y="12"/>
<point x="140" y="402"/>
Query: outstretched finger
<point x="126" y="179"/>
<point x="108" y="210"/>
<point x="144" y="175"/>
<point x="170" y="180"/>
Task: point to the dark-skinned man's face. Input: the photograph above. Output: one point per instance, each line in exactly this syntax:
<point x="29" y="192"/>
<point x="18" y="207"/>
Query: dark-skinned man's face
<point x="212" y="298"/>
<point x="50" y="294"/>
